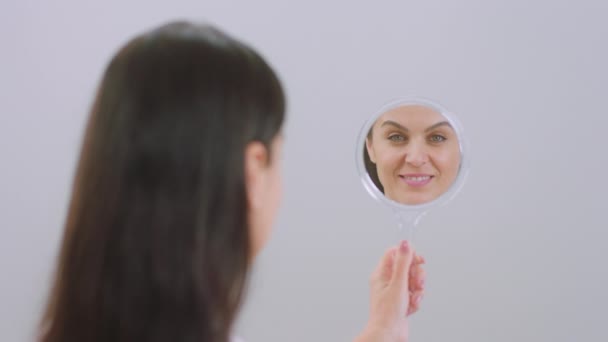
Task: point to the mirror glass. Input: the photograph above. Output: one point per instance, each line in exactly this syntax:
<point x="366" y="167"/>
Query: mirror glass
<point x="412" y="153"/>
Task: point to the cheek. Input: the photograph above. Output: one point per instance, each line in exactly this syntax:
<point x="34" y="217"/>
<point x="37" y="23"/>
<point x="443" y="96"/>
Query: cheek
<point x="388" y="160"/>
<point x="277" y="186"/>
<point x="273" y="202"/>
<point x="447" y="161"/>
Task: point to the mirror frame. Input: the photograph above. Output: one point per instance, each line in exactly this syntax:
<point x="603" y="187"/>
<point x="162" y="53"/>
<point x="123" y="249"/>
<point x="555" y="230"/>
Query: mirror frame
<point x="463" y="169"/>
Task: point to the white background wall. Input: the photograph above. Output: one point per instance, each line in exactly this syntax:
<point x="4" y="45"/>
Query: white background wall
<point x="519" y="255"/>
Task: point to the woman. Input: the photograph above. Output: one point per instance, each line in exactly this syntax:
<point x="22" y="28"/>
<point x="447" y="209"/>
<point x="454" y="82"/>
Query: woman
<point x="177" y="187"/>
<point x="412" y="154"/>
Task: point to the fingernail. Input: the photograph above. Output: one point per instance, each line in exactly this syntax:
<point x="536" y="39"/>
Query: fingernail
<point x="405" y="246"/>
<point x="418" y="299"/>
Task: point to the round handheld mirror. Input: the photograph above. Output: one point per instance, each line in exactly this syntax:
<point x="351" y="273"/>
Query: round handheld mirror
<point x="411" y="156"/>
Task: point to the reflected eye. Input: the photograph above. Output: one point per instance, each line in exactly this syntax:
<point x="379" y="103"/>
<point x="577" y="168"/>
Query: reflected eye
<point x="396" y="138"/>
<point x="436" y="138"/>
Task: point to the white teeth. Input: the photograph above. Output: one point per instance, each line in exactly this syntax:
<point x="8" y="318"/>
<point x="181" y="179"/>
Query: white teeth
<point x="418" y="179"/>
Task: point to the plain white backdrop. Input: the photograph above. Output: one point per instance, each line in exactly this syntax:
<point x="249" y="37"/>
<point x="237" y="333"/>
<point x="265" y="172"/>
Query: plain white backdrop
<point x="519" y="255"/>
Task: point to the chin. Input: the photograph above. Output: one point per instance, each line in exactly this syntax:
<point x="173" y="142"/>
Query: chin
<point x="417" y="200"/>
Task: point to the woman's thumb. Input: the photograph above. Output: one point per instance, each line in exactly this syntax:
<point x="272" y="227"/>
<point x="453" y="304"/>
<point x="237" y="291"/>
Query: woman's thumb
<point x="401" y="271"/>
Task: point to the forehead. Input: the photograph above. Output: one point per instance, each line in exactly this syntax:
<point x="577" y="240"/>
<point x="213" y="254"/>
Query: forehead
<point x="412" y="116"/>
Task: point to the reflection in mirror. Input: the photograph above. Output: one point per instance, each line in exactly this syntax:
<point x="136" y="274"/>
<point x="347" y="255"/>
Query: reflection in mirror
<point x="412" y="154"/>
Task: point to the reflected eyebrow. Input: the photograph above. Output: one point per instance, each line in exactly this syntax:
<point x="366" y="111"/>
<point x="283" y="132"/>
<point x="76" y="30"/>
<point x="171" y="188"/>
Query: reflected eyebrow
<point x="439" y="124"/>
<point x="394" y="124"/>
<point x="403" y="128"/>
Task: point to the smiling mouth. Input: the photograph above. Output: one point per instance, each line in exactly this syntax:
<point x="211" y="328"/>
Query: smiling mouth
<point x="416" y="180"/>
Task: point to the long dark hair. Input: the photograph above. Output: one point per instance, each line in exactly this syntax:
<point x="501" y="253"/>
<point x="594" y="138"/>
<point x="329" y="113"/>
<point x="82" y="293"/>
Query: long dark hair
<point x="370" y="167"/>
<point x="156" y="244"/>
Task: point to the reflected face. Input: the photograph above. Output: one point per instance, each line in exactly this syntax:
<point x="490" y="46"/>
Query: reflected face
<point x="416" y="153"/>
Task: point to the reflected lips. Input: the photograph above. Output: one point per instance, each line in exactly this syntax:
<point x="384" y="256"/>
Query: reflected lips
<point x="416" y="179"/>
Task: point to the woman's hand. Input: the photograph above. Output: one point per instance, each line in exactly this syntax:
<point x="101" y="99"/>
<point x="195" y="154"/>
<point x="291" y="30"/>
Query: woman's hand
<point x="397" y="286"/>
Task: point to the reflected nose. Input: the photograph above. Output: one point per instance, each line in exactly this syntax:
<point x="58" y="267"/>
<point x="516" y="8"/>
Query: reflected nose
<point x="416" y="155"/>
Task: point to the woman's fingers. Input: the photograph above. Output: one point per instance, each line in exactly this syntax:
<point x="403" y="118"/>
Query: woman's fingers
<point x="415" y="300"/>
<point x="384" y="269"/>
<point x="419" y="260"/>
<point x="400" y="269"/>
<point x="416" y="284"/>
<point x="417" y="278"/>
<point x="402" y="264"/>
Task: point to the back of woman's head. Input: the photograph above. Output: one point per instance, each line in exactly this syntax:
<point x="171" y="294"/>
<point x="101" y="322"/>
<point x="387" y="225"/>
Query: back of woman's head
<point x="156" y="245"/>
